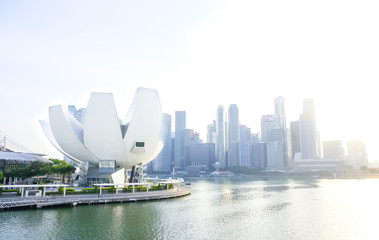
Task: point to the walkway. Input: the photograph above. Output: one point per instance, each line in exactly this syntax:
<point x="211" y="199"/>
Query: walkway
<point x="73" y="200"/>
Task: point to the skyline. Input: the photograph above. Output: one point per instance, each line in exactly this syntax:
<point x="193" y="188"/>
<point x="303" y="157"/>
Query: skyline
<point x="198" y="55"/>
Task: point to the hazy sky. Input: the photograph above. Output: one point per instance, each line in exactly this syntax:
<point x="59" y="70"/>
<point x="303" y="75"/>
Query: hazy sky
<point x="198" y="55"/>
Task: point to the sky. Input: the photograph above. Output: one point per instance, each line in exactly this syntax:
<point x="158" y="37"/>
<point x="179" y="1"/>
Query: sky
<point x="198" y="55"/>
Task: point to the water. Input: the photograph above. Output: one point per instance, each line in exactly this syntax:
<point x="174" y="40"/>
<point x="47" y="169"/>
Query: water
<point x="217" y="209"/>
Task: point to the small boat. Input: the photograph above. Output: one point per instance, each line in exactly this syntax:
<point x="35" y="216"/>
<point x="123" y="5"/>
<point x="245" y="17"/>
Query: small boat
<point x="187" y="183"/>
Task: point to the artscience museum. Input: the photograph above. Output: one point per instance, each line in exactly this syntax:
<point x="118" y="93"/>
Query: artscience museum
<point x="103" y="145"/>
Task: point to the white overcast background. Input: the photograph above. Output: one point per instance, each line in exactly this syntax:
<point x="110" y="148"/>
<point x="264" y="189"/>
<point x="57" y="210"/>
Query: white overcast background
<point x="198" y="55"/>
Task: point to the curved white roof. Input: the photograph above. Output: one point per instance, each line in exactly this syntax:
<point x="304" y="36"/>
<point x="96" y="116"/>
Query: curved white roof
<point x="103" y="137"/>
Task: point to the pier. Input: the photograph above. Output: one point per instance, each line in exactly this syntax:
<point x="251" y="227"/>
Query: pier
<point x="87" y="199"/>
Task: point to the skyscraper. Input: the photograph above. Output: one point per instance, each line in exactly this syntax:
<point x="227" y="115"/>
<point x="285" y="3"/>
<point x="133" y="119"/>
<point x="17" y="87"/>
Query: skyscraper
<point x="280" y="112"/>
<point x="280" y="115"/>
<point x="268" y="125"/>
<point x="163" y="161"/>
<point x="357" y="155"/>
<point x="220" y="132"/>
<point x="245" y="145"/>
<point x="233" y="119"/>
<point x="211" y="133"/>
<point x="275" y="155"/>
<point x="180" y="125"/>
<point x="295" y="138"/>
<point x="259" y="155"/>
<point x="308" y="131"/>
<point x="333" y="150"/>
<point x="188" y="138"/>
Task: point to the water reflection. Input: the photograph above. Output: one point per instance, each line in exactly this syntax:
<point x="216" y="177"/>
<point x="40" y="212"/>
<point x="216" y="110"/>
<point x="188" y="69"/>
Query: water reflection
<point x="217" y="209"/>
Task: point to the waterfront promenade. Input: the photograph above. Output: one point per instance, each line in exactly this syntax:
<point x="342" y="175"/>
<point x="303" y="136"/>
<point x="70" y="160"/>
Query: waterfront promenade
<point x="74" y="200"/>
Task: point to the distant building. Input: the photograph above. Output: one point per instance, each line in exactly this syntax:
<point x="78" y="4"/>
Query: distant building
<point x="220" y="133"/>
<point x="188" y="139"/>
<point x="233" y="136"/>
<point x="280" y="112"/>
<point x="255" y="138"/>
<point x="245" y="146"/>
<point x="259" y="151"/>
<point x="314" y="165"/>
<point x="275" y="159"/>
<point x="180" y="125"/>
<point x="211" y="133"/>
<point x="234" y="150"/>
<point x="268" y="125"/>
<point x="333" y="150"/>
<point x="163" y="161"/>
<point x="172" y="151"/>
<point x="308" y="131"/>
<point x="202" y="154"/>
<point x="356" y="154"/>
<point x="295" y="138"/>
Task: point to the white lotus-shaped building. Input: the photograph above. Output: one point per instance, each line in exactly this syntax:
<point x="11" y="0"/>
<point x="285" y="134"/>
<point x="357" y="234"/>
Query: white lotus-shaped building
<point x="102" y="138"/>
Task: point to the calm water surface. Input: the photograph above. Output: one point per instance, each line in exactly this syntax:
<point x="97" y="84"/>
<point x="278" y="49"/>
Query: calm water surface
<point x="217" y="209"/>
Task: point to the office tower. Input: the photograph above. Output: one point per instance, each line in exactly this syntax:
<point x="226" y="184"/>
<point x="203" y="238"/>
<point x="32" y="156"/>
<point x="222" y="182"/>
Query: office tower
<point x="289" y="150"/>
<point x="180" y="125"/>
<point x="188" y="138"/>
<point x="211" y="133"/>
<point x="233" y="136"/>
<point x="245" y="143"/>
<point x="333" y="150"/>
<point x="280" y="112"/>
<point x="268" y="125"/>
<point x="220" y="133"/>
<point x="308" y="131"/>
<point x="196" y="138"/>
<point x="259" y="155"/>
<point x="295" y="138"/>
<point x="163" y="161"/>
<point x="357" y="155"/>
<point x="275" y="155"/>
<point x="255" y="138"/>
<point x="280" y="134"/>
<point x="234" y="150"/>
<point x="202" y="154"/>
<point x="172" y="151"/>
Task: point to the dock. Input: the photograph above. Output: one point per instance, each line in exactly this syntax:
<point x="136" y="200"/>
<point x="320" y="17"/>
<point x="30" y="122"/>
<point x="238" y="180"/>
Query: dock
<point x="87" y="199"/>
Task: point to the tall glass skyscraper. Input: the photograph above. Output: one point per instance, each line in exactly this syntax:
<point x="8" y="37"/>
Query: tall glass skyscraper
<point x="280" y="112"/>
<point x="233" y="119"/>
<point x="308" y="131"/>
<point x="163" y="161"/>
<point x="295" y="138"/>
<point x="211" y="133"/>
<point x="245" y="145"/>
<point x="180" y="125"/>
<point x="220" y="132"/>
<point x="280" y="115"/>
<point x="268" y="125"/>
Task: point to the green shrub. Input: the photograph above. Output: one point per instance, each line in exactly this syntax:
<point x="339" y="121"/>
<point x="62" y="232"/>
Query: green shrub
<point x="91" y="190"/>
<point x="127" y="189"/>
<point x="10" y="190"/>
<point x="60" y="190"/>
<point x="170" y="186"/>
<point x="70" y="189"/>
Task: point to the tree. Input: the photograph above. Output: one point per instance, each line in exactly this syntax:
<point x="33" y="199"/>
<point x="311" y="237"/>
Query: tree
<point x="34" y="169"/>
<point x="1" y="175"/>
<point x="62" y="168"/>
